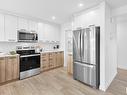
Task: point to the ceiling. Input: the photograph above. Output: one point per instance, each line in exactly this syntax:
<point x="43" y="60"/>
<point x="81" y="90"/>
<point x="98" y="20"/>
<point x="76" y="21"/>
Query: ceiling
<point x="45" y="9"/>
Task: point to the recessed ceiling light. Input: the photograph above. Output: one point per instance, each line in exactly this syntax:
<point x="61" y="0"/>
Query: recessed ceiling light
<point x="53" y="17"/>
<point x="80" y="4"/>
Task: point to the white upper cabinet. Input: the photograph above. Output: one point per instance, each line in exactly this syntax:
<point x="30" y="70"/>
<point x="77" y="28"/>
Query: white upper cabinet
<point x="52" y="32"/>
<point x="41" y="32"/>
<point x="9" y="25"/>
<point x="27" y="25"/>
<point x="11" y="28"/>
<point x="2" y="34"/>
<point x="22" y="23"/>
<point x="33" y="26"/>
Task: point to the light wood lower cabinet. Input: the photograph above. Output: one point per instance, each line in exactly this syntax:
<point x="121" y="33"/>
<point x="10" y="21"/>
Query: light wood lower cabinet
<point x="9" y="68"/>
<point x="70" y="64"/>
<point x="2" y="69"/>
<point x="51" y="60"/>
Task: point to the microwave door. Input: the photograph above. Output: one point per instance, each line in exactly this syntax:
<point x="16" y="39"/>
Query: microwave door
<point x="22" y="36"/>
<point x="30" y="37"/>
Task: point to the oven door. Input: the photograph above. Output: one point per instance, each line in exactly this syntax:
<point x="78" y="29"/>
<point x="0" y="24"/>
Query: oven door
<point x="29" y="62"/>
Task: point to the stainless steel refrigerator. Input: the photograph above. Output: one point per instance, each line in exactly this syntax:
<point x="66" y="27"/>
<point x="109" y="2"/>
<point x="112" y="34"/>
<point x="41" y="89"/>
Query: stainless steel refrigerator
<point x="86" y="55"/>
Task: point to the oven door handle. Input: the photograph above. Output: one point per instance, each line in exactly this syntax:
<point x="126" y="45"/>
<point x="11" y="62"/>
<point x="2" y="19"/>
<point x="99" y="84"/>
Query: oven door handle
<point x="30" y="55"/>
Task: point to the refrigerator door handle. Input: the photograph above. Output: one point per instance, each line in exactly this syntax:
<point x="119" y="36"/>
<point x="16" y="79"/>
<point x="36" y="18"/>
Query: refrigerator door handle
<point x="81" y="48"/>
<point x="86" y="65"/>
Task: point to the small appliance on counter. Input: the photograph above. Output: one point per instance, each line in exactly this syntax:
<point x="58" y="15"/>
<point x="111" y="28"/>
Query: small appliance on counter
<point x="29" y="61"/>
<point x="56" y="47"/>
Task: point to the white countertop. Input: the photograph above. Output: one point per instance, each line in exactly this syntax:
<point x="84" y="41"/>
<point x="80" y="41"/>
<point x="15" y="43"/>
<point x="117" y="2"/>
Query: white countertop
<point x="48" y="51"/>
<point x="7" y="55"/>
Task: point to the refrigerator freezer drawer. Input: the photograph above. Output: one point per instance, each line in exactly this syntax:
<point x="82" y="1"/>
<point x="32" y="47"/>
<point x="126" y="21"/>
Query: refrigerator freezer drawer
<point x="85" y="73"/>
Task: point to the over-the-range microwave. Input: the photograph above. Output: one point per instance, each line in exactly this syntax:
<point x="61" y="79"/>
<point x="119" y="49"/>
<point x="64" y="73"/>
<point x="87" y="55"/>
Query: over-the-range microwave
<point x="24" y="36"/>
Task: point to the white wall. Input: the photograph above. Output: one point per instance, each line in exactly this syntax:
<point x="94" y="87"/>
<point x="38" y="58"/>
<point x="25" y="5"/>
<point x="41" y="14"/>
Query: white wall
<point x="101" y="16"/>
<point x="122" y="45"/>
<point x="119" y="11"/>
<point x="96" y="16"/>
<point x="65" y="27"/>
<point x="110" y="47"/>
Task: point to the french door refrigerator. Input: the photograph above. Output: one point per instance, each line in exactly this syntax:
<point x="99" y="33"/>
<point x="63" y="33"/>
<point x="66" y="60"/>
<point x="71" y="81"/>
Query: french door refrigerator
<point x="86" y="55"/>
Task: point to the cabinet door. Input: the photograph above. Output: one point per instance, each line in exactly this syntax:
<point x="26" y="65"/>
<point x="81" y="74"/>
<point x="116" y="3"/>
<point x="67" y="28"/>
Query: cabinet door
<point x="52" y="32"/>
<point x="12" y="68"/>
<point x="62" y="58"/>
<point x="41" y="32"/>
<point x="9" y="68"/>
<point x="58" y="59"/>
<point x="15" y="67"/>
<point x="2" y="69"/>
<point x="33" y="26"/>
<point x="54" y="59"/>
<point x="2" y="34"/>
<point x="70" y="64"/>
<point x="10" y="28"/>
<point x="51" y="60"/>
<point x="22" y="23"/>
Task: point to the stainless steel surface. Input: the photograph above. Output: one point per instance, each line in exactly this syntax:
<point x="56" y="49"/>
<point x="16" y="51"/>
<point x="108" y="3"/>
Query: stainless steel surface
<point x="30" y="55"/>
<point x="77" y="45"/>
<point x="29" y="73"/>
<point x="88" y="46"/>
<point x="85" y="73"/>
<point x="29" y="47"/>
<point x="86" y="49"/>
<point x="34" y="40"/>
<point x="27" y="41"/>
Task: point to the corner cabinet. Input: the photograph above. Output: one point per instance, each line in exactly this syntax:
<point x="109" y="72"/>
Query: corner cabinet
<point x="9" y="68"/>
<point x="11" y="28"/>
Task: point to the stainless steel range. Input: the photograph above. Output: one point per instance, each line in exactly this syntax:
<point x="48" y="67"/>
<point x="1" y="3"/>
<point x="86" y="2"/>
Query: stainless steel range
<point x="29" y="61"/>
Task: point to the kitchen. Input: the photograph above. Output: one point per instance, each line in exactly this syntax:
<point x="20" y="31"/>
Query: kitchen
<point x="49" y="54"/>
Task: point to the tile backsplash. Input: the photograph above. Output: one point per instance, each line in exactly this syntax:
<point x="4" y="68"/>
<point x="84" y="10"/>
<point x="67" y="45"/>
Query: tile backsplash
<point x="10" y="46"/>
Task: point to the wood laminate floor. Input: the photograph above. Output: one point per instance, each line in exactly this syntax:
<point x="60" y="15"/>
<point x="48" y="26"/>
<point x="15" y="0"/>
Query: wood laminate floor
<point x="58" y="82"/>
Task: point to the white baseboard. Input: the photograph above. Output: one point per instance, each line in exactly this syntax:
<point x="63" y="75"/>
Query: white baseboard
<point x="110" y="81"/>
<point x="105" y="86"/>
